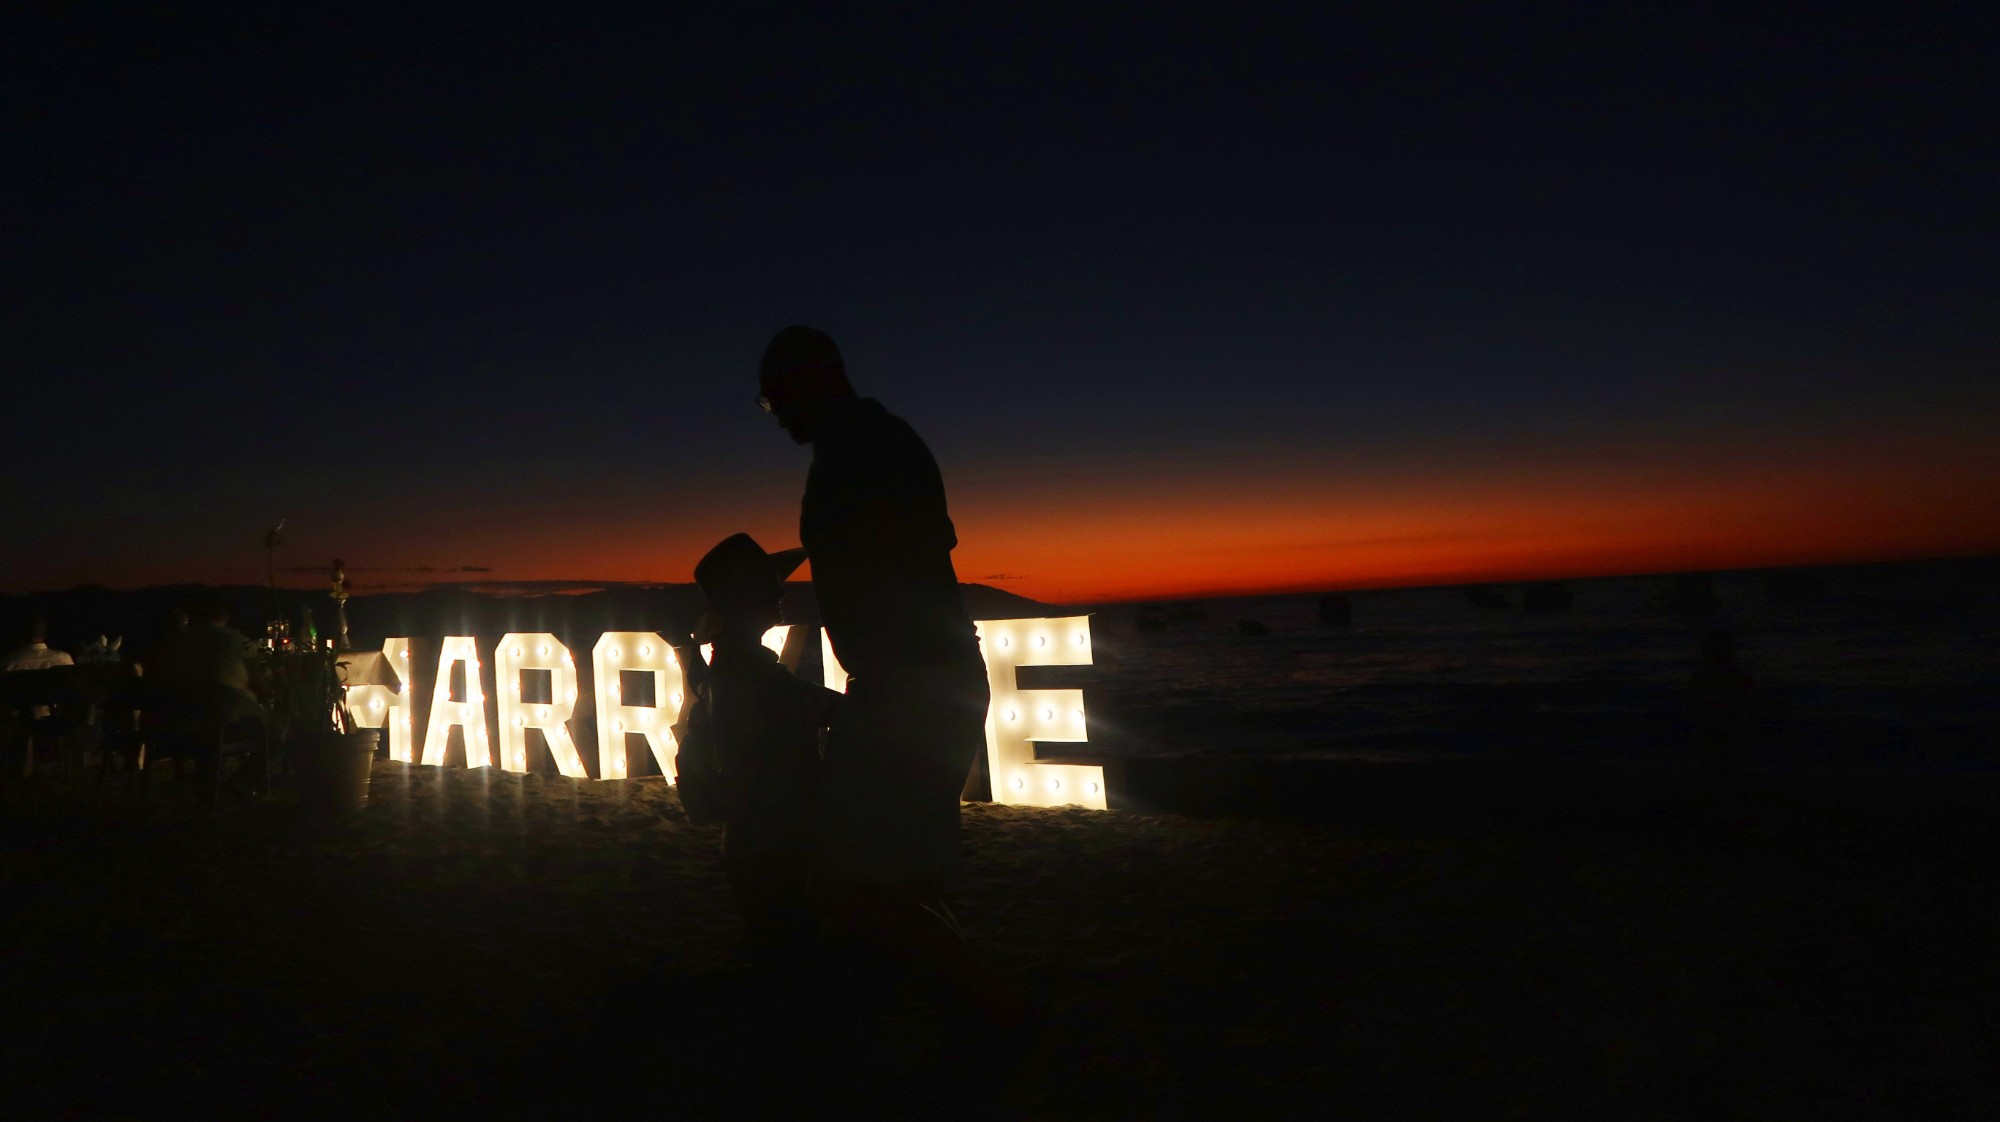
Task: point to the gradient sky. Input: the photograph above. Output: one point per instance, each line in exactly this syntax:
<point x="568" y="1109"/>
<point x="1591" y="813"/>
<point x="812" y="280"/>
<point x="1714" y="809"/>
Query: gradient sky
<point x="1184" y="302"/>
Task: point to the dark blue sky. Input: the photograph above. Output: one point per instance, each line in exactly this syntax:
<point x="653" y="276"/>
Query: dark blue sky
<point x="525" y="264"/>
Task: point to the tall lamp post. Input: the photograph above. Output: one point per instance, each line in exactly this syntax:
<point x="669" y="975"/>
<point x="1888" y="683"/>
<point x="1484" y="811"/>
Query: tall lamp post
<point x="273" y="538"/>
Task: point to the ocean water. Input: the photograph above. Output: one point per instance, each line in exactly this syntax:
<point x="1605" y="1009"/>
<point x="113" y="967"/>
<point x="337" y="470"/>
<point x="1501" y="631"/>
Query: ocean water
<point x="1890" y="663"/>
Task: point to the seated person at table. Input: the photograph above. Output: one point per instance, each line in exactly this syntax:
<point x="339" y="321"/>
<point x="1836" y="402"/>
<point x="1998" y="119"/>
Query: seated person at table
<point x="209" y="651"/>
<point x="171" y="636"/>
<point x="752" y="746"/>
<point x="205" y="677"/>
<point x="35" y="652"/>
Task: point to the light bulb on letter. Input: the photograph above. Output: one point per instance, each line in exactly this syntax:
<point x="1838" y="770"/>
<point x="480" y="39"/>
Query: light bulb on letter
<point x="1022" y="720"/>
<point x="551" y="719"/>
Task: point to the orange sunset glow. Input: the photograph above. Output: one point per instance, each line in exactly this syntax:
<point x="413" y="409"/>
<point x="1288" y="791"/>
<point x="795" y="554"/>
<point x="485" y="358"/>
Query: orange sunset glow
<point x="1186" y="538"/>
<point x="1273" y="527"/>
<point x="1139" y="530"/>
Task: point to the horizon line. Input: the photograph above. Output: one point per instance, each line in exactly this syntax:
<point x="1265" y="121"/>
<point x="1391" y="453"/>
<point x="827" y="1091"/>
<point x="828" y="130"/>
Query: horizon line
<point x="1223" y="592"/>
<point x="1295" y="588"/>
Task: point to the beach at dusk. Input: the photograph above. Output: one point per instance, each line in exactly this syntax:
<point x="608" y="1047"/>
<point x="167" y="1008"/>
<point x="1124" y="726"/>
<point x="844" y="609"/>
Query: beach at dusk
<point x="1468" y="910"/>
<point x="1069" y="563"/>
<point x="490" y="944"/>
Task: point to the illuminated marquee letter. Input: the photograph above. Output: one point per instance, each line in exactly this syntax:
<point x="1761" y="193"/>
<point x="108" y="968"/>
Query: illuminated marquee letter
<point x="536" y="651"/>
<point x="618" y="651"/>
<point x="376" y="705"/>
<point x="772" y="640"/>
<point x="1017" y="718"/>
<point x="831" y="672"/>
<point x="469" y="715"/>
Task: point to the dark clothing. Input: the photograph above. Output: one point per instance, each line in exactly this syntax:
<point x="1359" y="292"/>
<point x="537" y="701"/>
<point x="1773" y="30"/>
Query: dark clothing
<point x="773" y="895"/>
<point x="206" y="652"/>
<point x="875" y="525"/>
<point x="896" y="760"/>
<point x="767" y="722"/>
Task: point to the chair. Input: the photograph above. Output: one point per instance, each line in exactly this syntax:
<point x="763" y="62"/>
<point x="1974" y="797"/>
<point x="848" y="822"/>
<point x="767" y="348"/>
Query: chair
<point x="118" y="722"/>
<point x="53" y="707"/>
<point x="202" y="722"/>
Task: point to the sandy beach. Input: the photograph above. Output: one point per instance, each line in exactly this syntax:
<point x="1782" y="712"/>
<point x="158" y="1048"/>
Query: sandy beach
<point x="481" y="943"/>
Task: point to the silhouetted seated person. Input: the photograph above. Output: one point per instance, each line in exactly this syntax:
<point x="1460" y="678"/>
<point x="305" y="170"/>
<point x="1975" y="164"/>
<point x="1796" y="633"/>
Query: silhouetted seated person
<point x="174" y="633"/>
<point x="34" y="653"/>
<point x="209" y="651"/>
<point x="128" y="696"/>
<point x="1723" y="713"/>
<point x="198" y="685"/>
<point x="752" y="751"/>
<point x="31" y="697"/>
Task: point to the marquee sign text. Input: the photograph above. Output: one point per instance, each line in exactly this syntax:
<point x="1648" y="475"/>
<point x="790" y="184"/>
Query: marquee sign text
<point x="1016" y="720"/>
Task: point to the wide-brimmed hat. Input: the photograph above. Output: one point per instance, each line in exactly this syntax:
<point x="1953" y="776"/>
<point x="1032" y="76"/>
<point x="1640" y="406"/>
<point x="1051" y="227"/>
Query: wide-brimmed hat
<point x="738" y="569"/>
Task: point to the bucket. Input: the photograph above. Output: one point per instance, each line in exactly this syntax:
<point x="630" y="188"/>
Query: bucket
<point x="331" y="770"/>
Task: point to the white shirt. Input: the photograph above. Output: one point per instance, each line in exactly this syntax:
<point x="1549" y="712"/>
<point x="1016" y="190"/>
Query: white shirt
<point x="37" y="656"/>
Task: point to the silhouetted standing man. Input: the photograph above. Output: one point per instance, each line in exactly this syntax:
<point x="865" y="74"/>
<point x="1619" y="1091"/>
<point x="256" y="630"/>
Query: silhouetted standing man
<point x="873" y="521"/>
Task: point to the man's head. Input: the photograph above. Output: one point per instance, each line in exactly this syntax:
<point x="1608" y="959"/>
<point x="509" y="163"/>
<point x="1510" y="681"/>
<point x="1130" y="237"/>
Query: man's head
<point x="744" y="586"/>
<point x="800" y="373"/>
<point x="36" y="629"/>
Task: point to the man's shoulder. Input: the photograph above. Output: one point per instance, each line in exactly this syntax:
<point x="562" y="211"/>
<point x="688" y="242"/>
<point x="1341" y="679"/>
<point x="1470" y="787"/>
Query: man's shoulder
<point x="37" y="658"/>
<point x="864" y="431"/>
<point x="862" y="418"/>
